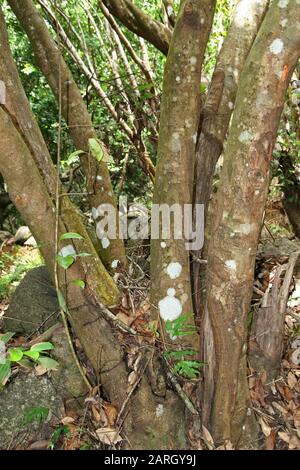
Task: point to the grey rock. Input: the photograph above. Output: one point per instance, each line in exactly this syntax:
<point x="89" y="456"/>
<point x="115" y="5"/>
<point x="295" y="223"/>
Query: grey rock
<point x="33" y="302"/>
<point x="20" y="395"/>
<point x="22" y="234"/>
<point x="31" y="242"/>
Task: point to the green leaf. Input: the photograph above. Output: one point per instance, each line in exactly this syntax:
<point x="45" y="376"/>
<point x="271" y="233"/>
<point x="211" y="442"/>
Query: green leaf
<point x="62" y="301"/>
<point x="26" y="362"/>
<point x="62" y="430"/>
<point x="65" y="261"/>
<point x="75" y="154"/>
<point x="35" y="414"/>
<point x="84" y="255"/>
<point x="79" y="283"/>
<point x="6" y="337"/>
<point x="96" y="149"/>
<point x="32" y="354"/>
<point x="4" y="372"/>
<point x="178" y="354"/>
<point x="15" y="354"/>
<point x="42" y="347"/>
<point x="71" y="236"/>
<point x="189" y="369"/>
<point x="48" y="363"/>
<point x="99" y="152"/>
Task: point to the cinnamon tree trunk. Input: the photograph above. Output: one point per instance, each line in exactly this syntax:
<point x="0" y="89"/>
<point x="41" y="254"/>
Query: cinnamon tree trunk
<point x="49" y="59"/>
<point x="238" y="213"/>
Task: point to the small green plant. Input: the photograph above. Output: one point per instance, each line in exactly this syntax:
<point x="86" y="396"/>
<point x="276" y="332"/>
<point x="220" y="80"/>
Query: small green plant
<point x="35" y="414"/>
<point x="26" y="357"/>
<point x="59" y="432"/>
<point x="66" y="259"/>
<point x="180" y="327"/>
<point x="188" y="368"/>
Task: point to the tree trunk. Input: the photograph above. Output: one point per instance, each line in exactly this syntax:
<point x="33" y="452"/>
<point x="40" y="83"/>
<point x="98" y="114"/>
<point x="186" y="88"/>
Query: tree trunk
<point x="30" y="176"/>
<point x="239" y="211"/>
<point x="170" y="264"/>
<point x="218" y="108"/>
<point x="52" y="65"/>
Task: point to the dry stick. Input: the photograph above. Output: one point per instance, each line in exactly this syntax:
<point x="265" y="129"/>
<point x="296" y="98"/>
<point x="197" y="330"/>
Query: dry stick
<point x="63" y="314"/>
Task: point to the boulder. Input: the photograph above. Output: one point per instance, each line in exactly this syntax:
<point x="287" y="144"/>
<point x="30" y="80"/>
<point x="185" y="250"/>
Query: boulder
<point x="34" y="303"/>
<point x="24" y="393"/>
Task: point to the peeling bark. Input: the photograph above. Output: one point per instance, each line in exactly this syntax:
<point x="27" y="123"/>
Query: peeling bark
<point x="239" y="211"/>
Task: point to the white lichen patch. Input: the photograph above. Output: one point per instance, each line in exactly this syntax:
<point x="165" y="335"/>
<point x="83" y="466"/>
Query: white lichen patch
<point x="159" y="410"/>
<point x="283" y="22"/>
<point x="245" y="137"/>
<point x="68" y="250"/>
<point x="231" y="264"/>
<point x="115" y="263"/>
<point x="193" y="60"/>
<point x="178" y="79"/>
<point x="277" y="46"/>
<point x="174" y="270"/>
<point x="163" y="244"/>
<point x="170" y="308"/>
<point x="105" y="243"/>
<point x="230" y="105"/>
<point x="188" y="123"/>
<point x="94" y="213"/>
<point x="170" y="10"/>
<point x="175" y="143"/>
<point x="245" y="228"/>
<point x="99" y="178"/>
<point x="283" y="3"/>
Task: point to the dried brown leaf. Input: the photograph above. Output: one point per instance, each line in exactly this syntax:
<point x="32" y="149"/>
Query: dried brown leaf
<point x="109" y="436"/>
<point x="271" y="440"/>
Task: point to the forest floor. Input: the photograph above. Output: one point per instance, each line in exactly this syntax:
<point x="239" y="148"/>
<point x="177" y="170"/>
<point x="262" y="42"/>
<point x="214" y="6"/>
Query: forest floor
<point x="276" y="404"/>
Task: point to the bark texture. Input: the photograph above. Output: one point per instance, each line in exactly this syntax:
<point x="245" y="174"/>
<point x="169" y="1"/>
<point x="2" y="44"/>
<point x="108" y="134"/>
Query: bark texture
<point x="239" y="211"/>
<point x="170" y="265"/>
<point x="53" y="66"/>
<point x="30" y="176"/>
<point x="216" y="113"/>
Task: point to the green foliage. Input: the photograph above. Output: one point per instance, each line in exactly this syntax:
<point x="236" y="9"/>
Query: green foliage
<point x="187" y="368"/>
<point x="59" y="432"/>
<point x="71" y="236"/>
<point x="14" y="268"/>
<point x="180" y="327"/>
<point x="35" y="414"/>
<point x="36" y="354"/>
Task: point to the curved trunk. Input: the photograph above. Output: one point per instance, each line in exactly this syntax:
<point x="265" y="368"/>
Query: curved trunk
<point x="53" y="66"/>
<point x="238" y="214"/>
